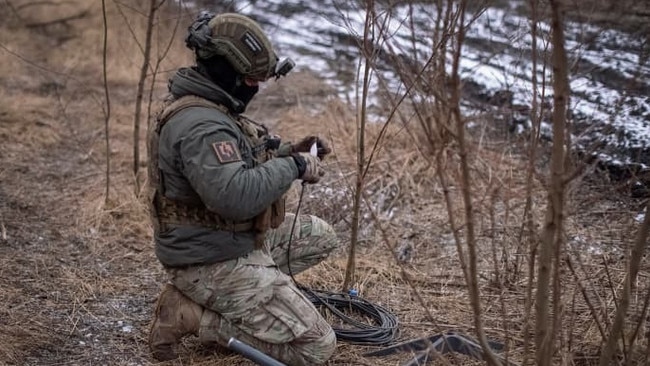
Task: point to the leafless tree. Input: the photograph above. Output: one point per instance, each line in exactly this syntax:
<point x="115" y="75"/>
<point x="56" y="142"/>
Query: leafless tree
<point x="551" y="245"/>
<point x="366" y="59"/>
<point x="107" y="107"/>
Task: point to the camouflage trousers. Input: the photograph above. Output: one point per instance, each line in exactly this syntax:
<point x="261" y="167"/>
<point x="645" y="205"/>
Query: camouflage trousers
<point x="254" y="300"/>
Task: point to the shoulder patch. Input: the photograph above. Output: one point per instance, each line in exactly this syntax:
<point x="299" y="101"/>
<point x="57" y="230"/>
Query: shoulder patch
<point x="226" y="151"/>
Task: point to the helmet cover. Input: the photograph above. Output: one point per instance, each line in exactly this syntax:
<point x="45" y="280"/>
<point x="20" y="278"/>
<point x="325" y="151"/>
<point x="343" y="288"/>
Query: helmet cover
<point x="237" y="38"/>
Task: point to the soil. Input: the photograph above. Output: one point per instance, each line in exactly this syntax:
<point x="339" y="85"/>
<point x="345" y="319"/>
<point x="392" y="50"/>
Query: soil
<point x="71" y="293"/>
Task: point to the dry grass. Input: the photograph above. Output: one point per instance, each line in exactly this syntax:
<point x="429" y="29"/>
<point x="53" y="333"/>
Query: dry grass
<point x="78" y="278"/>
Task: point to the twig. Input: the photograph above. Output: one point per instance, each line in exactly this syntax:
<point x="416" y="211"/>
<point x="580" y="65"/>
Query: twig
<point x="585" y="296"/>
<point x="551" y="248"/>
<point x="610" y="283"/>
<point x="161" y="57"/>
<point x="498" y="279"/>
<point x="471" y="276"/>
<point x="636" y="255"/>
<point x="107" y="110"/>
<point x="639" y="324"/>
<point x="528" y="222"/>
<point x="130" y="7"/>
<point x="405" y="276"/>
<point x="361" y="133"/>
<point x="128" y="25"/>
<point x="140" y="94"/>
<point x="79" y="15"/>
<point x="39" y="3"/>
<point x="14" y="10"/>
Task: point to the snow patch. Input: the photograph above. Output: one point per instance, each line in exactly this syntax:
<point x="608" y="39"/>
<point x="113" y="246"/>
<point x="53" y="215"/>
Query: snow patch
<point x="608" y="79"/>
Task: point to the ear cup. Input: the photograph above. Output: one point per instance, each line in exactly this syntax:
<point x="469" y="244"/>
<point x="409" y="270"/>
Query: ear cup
<point x="199" y="34"/>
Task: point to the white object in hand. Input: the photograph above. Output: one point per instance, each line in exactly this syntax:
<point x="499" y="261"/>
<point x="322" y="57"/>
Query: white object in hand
<point x="314" y="149"/>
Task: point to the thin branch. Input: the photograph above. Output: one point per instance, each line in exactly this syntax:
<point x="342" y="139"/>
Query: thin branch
<point x="637" y="329"/>
<point x="551" y="243"/>
<point x="528" y="225"/>
<point x="14" y="10"/>
<point x="405" y="276"/>
<point x="161" y="57"/>
<point x="79" y="15"/>
<point x="470" y="234"/>
<point x="636" y="255"/>
<point x="585" y="296"/>
<point x="39" y="3"/>
<point x="54" y="72"/>
<point x="128" y="25"/>
<point x="130" y="7"/>
<point x="361" y="130"/>
<point x="107" y="111"/>
<point x="140" y="93"/>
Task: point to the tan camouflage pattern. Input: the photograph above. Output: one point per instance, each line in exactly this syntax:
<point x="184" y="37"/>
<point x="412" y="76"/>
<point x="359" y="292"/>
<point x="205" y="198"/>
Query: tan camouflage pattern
<point x="313" y="240"/>
<point x="253" y="299"/>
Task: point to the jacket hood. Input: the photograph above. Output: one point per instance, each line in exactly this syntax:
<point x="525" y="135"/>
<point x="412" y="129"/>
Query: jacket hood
<point x="188" y="81"/>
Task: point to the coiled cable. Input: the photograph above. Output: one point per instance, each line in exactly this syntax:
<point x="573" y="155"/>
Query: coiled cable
<point x="385" y="328"/>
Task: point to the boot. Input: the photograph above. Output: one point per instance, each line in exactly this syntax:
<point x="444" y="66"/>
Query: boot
<point x="176" y="316"/>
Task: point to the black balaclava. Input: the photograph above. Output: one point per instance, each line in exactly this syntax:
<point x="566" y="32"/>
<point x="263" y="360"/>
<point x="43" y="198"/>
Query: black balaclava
<point x="221" y="72"/>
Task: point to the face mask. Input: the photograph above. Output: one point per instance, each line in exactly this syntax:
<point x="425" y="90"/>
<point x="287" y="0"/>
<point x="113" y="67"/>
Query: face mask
<point x="219" y="70"/>
<point x="244" y="93"/>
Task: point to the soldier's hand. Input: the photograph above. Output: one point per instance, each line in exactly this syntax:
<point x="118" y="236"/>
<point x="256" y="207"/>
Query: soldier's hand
<point x="309" y="167"/>
<point x="304" y="145"/>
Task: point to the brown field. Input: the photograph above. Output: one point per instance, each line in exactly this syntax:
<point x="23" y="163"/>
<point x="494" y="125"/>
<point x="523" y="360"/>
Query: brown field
<point x="78" y="276"/>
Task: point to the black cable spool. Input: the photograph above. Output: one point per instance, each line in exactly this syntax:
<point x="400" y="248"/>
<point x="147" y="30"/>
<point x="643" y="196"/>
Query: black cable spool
<point x="384" y="330"/>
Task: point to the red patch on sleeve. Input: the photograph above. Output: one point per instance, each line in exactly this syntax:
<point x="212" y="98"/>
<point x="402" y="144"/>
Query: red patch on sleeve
<point x="227" y="152"/>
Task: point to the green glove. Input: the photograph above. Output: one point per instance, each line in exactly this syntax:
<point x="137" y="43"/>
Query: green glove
<point x="313" y="169"/>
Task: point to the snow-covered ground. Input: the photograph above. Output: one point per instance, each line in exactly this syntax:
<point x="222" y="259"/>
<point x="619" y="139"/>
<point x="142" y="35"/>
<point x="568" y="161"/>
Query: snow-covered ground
<point x="610" y="82"/>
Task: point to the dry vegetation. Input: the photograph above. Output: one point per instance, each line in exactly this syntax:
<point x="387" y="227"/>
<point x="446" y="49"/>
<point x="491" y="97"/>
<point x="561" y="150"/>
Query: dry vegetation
<point x="78" y="277"/>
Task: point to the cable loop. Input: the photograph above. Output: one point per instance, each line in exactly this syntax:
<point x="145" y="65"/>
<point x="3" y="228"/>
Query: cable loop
<point x="386" y="327"/>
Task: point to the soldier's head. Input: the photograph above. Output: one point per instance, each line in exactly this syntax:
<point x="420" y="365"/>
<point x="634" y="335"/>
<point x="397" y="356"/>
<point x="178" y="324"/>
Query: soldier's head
<point x="233" y="51"/>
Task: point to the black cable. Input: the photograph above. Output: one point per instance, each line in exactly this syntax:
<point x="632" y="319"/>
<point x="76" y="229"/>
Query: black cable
<point x="384" y="331"/>
<point x="293" y="226"/>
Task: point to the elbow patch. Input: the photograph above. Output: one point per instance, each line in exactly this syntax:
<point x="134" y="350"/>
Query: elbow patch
<point x="226" y="151"/>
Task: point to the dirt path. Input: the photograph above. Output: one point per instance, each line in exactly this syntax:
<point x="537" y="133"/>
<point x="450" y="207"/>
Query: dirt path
<point x="70" y="294"/>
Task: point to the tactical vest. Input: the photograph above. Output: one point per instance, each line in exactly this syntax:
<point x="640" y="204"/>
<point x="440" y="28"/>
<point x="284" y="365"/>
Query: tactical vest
<point x="165" y="212"/>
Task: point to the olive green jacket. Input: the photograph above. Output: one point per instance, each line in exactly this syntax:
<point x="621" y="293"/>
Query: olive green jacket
<point x="191" y="173"/>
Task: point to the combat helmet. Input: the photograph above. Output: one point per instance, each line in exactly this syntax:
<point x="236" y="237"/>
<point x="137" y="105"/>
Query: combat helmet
<point x="240" y="40"/>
